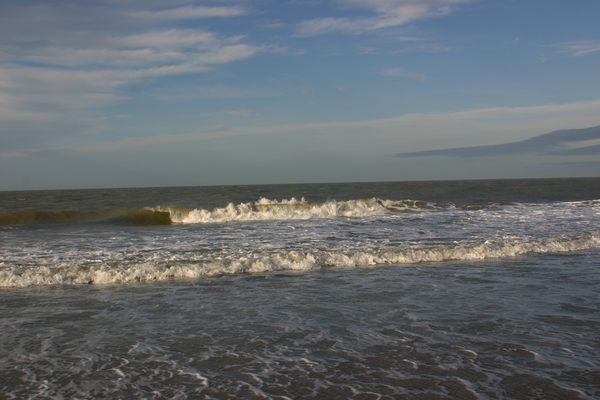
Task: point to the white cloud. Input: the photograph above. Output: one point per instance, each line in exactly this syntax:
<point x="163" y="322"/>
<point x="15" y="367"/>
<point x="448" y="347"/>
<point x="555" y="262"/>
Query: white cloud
<point x="57" y="72"/>
<point x="75" y="78"/>
<point x="403" y="73"/>
<point x="149" y="49"/>
<point x="389" y="13"/>
<point x="167" y="38"/>
<point x="581" y="47"/>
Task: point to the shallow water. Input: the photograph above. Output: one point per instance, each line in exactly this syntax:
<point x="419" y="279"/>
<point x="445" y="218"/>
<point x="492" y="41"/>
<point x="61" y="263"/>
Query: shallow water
<point x="524" y="328"/>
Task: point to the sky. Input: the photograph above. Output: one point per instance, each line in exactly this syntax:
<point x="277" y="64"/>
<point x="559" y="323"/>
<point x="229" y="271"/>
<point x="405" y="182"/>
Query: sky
<point x="145" y="93"/>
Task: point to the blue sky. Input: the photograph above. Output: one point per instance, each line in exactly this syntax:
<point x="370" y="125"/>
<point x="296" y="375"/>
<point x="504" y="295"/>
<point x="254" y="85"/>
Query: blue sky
<point x="107" y="93"/>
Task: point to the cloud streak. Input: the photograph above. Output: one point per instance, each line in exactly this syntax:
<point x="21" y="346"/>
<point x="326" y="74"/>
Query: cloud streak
<point x="549" y="142"/>
<point x="580" y="48"/>
<point x="78" y="79"/>
<point x="192" y="12"/>
<point x="383" y="128"/>
<point x="388" y="13"/>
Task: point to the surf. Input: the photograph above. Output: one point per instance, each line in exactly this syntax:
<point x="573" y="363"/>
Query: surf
<point x="260" y="210"/>
<point x="127" y="271"/>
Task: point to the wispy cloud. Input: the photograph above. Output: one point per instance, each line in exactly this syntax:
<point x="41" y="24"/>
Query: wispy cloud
<point x="382" y="129"/>
<point x="583" y="165"/>
<point x="239" y="113"/>
<point x="581" y="47"/>
<point x="190" y="92"/>
<point x="61" y="69"/>
<point x="580" y="151"/>
<point x="403" y="73"/>
<point x="191" y="12"/>
<point x="67" y="78"/>
<point x="549" y="142"/>
<point x="152" y="49"/>
<point x="388" y="13"/>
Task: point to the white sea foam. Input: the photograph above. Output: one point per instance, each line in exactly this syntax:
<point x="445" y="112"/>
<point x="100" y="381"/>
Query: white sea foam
<point x="292" y="209"/>
<point x="157" y="270"/>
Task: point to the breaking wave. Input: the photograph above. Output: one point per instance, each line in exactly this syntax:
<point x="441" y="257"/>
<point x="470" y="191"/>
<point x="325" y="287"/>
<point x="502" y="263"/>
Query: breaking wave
<point x="146" y="271"/>
<point x="261" y="210"/>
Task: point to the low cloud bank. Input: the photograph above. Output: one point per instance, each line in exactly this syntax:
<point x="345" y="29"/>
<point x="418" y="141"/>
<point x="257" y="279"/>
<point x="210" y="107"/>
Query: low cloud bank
<point x="552" y="143"/>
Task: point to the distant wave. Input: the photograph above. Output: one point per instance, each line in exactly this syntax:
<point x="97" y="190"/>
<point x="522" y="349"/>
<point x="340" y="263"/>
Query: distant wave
<point x="146" y="271"/>
<point x="261" y="210"/>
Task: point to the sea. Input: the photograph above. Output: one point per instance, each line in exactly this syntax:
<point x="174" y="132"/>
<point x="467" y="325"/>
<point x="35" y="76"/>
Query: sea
<point x="473" y="289"/>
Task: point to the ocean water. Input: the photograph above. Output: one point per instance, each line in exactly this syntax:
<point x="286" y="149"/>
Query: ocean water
<point x="395" y="290"/>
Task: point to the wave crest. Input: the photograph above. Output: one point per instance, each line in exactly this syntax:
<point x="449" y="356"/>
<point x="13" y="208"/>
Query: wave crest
<point x="261" y="210"/>
<point x="265" y="210"/>
<point x="293" y="209"/>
